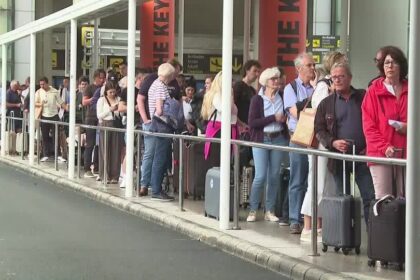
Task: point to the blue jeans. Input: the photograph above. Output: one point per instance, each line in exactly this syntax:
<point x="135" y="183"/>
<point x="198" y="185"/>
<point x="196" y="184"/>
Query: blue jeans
<point x="146" y="164"/>
<point x="268" y="164"/>
<point x="160" y="163"/>
<point x="363" y="179"/>
<point x="298" y="184"/>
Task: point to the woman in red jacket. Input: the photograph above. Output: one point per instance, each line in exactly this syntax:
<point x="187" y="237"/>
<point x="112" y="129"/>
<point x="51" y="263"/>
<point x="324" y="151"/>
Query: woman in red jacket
<point x="384" y="112"/>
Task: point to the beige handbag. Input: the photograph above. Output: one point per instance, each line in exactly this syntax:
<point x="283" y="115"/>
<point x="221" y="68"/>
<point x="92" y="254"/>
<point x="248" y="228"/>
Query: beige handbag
<point x="304" y="134"/>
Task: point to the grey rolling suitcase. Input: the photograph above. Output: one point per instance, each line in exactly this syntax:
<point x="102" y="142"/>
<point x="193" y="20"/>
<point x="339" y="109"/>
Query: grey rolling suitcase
<point x="341" y="220"/>
<point x="212" y="194"/>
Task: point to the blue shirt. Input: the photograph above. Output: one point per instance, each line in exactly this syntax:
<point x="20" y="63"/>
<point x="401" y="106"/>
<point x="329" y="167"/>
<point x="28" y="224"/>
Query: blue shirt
<point x="272" y="108"/>
<point x="291" y="97"/>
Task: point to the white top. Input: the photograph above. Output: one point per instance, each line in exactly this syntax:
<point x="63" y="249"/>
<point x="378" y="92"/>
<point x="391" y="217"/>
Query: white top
<point x="103" y="111"/>
<point x="390" y="88"/>
<point x="217" y="105"/>
<point x="50" y="100"/>
<point x="321" y="91"/>
<point x="187" y="110"/>
<point x="123" y="82"/>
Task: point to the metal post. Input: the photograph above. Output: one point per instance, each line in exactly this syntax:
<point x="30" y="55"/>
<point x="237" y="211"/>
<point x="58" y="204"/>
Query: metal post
<point x="226" y="118"/>
<point x="131" y="64"/>
<point x="314" y="230"/>
<point x="22" y="153"/>
<point x="412" y="241"/>
<point x="38" y="141"/>
<point x="32" y="104"/>
<point x="181" y="177"/>
<point x="236" y="169"/>
<point x="3" y="97"/>
<point x="256" y="28"/>
<point x="181" y="12"/>
<point x="105" y="158"/>
<point x="79" y="152"/>
<point x="56" y="146"/>
<point x="247" y="29"/>
<point x="73" y="85"/>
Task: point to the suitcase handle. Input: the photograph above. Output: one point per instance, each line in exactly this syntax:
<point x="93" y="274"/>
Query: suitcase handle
<point x="377" y="203"/>
<point x="353" y="182"/>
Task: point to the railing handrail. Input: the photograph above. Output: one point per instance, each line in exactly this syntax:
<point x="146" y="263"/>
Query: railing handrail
<point x="308" y="151"/>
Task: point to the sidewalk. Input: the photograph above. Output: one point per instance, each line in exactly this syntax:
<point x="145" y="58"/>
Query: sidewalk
<point x="264" y="243"/>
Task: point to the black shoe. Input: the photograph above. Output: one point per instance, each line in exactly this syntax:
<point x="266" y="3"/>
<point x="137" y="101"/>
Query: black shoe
<point x="162" y="197"/>
<point x="295" y="229"/>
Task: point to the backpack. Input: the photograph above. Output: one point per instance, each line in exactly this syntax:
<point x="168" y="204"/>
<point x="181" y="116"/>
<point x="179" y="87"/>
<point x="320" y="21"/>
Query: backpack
<point x="172" y="118"/>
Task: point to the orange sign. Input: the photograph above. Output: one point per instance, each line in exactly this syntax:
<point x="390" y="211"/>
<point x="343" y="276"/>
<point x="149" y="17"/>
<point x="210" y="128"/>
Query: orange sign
<point x="157" y="33"/>
<point x="282" y="33"/>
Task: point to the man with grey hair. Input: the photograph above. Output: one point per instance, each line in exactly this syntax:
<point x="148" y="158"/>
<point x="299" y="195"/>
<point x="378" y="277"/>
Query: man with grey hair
<point x="296" y="95"/>
<point x="338" y="124"/>
<point x="14" y="104"/>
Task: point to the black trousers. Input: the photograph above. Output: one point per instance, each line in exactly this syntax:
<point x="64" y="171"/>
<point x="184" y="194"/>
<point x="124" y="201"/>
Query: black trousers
<point x="47" y="140"/>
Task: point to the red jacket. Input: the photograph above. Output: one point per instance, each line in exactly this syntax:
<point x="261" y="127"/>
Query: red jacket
<point x="378" y="107"/>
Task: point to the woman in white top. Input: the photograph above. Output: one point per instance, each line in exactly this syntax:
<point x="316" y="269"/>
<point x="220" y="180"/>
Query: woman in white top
<point x="325" y="179"/>
<point x="108" y="116"/>
<point x="212" y="112"/>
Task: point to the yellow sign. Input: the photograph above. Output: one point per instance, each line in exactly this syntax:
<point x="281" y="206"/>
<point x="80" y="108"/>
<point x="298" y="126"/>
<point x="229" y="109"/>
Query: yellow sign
<point x="338" y="43"/>
<point x="316" y="43"/>
<point x="317" y="58"/>
<point x="87" y="36"/>
<point x="54" y="59"/>
<point x="215" y="64"/>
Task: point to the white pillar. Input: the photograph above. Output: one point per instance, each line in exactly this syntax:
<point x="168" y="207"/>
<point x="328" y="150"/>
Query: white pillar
<point x="32" y="83"/>
<point x="226" y="109"/>
<point x="181" y="31"/>
<point x="412" y="243"/>
<point x="3" y="97"/>
<point x="247" y="28"/>
<point x="131" y="60"/>
<point x="73" y="85"/>
<point x="256" y="29"/>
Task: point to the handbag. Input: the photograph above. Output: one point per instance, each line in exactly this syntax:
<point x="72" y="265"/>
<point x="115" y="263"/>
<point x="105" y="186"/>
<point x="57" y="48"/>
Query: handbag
<point x="116" y="121"/>
<point x="304" y="134"/>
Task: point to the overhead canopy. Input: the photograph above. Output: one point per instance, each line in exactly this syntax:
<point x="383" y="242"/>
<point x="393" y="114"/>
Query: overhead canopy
<point x="83" y="10"/>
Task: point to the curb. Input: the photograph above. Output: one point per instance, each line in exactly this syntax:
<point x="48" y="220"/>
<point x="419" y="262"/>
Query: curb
<point x="269" y="259"/>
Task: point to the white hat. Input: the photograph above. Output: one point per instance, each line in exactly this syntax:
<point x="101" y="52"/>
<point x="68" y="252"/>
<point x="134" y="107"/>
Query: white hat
<point x="267" y="74"/>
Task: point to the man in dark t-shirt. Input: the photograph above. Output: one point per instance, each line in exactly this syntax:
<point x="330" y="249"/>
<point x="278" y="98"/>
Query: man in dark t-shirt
<point x="91" y="119"/>
<point x="243" y="91"/>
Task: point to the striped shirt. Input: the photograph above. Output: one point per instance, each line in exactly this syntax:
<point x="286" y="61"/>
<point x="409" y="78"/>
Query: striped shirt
<point x="158" y="90"/>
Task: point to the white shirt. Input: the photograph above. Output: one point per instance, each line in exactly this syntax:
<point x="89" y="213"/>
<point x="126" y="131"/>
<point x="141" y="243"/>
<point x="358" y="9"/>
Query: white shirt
<point x="103" y="111"/>
<point x="187" y="110"/>
<point x="217" y="105"/>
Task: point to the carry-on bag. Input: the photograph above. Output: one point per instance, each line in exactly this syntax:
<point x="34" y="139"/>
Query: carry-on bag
<point x="387" y="215"/>
<point x="247" y="177"/>
<point x="341" y="219"/>
<point x="212" y="194"/>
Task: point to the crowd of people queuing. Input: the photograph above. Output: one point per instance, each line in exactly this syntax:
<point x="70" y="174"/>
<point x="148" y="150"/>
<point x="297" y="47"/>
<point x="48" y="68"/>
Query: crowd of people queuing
<point x="264" y="109"/>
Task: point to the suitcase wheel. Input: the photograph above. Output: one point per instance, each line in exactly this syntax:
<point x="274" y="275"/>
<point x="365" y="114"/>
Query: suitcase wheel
<point x="336" y="249"/>
<point x="346" y="251"/>
<point x="357" y="250"/>
<point x="371" y="263"/>
<point x="324" y="248"/>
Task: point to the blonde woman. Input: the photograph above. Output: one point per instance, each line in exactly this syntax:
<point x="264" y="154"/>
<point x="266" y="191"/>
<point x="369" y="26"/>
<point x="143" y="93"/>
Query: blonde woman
<point x="212" y="112"/>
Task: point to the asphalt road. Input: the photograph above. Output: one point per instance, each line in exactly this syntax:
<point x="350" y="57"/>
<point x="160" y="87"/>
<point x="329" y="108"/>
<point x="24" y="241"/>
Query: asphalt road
<point x="47" y="232"/>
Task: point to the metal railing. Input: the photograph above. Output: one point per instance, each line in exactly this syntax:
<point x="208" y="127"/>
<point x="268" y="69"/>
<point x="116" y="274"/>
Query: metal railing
<point x="315" y="153"/>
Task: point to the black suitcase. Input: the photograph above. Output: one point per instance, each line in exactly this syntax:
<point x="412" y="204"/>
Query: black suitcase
<point x="387" y="215"/>
<point x="341" y="220"/>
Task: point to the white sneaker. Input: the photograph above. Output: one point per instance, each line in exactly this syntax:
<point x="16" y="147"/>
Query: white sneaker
<point x="305" y="236"/>
<point x="122" y="185"/>
<point x="269" y="216"/>
<point x="61" y="159"/>
<point x="252" y="216"/>
<point x="44" y="159"/>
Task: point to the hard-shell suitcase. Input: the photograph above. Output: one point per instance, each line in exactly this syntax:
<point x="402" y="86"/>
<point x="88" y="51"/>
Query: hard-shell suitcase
<point x="282" y="202"/>
<point x="387" y="215"/>
<point x="212" y="194"/>
<point x="341" y="219"/>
